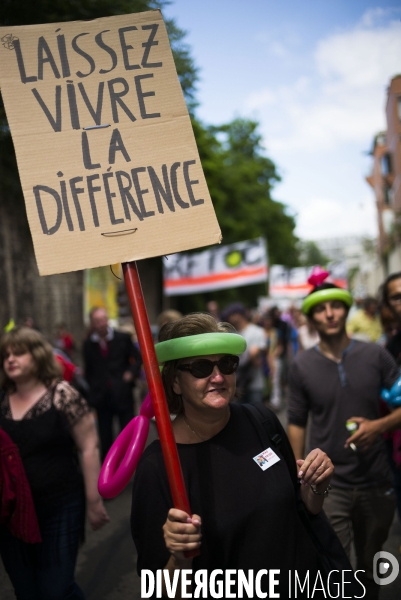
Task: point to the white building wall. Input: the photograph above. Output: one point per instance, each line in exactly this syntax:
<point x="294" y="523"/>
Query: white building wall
<point x="394" y="261"/>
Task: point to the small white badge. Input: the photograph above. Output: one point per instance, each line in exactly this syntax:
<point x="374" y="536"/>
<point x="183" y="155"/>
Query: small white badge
<point x="266" y="459"/>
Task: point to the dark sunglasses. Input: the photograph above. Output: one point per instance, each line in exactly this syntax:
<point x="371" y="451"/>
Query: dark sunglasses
<point x="203" y="367"/>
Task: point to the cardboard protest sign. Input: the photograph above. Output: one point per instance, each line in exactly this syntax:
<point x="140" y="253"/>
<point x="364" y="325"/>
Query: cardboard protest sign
<point x="221" y="267"/>
<point x="105" y="149"/>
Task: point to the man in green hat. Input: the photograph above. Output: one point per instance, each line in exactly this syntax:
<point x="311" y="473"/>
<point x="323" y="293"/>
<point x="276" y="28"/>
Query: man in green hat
<point x="339" y="382"/>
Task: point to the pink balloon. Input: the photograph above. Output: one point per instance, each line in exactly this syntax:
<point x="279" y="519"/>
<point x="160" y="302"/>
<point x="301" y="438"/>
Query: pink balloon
<point x="318" y="275"/>
<point x="147" y="407"/>
<point x="122" y="458"/>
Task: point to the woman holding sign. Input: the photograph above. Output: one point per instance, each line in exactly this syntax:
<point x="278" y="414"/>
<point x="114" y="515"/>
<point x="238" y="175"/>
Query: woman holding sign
<point x="49" y="422"/>
<point x="241" y="487"/>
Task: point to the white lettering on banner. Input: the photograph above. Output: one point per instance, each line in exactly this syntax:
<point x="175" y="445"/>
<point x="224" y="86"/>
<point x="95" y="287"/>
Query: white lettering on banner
<point x="234" y="265"/>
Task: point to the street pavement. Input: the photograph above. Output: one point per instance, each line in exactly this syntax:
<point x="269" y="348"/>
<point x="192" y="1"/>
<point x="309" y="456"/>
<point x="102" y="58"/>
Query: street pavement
<point x="106" y="568"/>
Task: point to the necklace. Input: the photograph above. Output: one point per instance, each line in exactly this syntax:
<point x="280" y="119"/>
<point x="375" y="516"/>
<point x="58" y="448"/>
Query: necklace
<point x="197" y="434"/>
<point x="193" y="430"/>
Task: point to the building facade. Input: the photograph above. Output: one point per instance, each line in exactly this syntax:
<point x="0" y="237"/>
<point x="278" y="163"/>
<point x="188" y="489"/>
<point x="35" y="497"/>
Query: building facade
<point x="385" y="181"/>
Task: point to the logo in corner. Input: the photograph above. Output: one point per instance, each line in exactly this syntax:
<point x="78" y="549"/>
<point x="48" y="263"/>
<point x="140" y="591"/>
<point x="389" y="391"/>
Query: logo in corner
<point x="385" y="568"/>
<point x="8" y="41"/>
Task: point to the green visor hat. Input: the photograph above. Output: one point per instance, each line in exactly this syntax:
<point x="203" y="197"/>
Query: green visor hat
<point x="325" y="296"/>
<point x="201" y="344"/>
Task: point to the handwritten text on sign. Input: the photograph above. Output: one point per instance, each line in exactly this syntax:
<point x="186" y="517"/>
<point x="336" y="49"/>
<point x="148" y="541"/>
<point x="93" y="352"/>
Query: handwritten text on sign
<point x="107" y="158"/>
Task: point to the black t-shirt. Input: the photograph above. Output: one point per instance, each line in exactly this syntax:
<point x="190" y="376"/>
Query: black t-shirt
<point x="283" y="334"/>
<point x="45" y="443"/>
<point x="249" y="515"/>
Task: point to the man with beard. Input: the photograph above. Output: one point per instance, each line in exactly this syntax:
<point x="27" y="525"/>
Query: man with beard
<point x="391" y="291"/>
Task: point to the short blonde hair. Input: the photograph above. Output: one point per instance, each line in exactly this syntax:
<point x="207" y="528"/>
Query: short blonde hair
<point x="191" y="324"/>
<point x="29" y="340"/>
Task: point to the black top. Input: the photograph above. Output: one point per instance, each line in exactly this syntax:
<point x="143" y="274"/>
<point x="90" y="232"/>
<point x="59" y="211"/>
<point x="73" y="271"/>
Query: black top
<point x="104" y="374"/>
<point x="249" y="516"/>
<point x="335" y="392"/>
<point x="283" y="333"/>
<point x="44" y="440"/>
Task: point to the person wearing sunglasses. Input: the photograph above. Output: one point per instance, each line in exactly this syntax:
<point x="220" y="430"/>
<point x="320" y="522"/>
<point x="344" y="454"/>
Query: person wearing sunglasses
<point x="391" y="299"/>
<point x="244" y="513"/>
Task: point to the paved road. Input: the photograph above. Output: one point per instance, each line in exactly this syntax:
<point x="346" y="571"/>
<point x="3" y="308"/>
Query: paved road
<point x="106" y="562"/>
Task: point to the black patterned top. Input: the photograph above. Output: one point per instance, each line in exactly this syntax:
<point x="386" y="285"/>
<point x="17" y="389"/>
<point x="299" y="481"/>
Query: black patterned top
<point x="45" y="443"/>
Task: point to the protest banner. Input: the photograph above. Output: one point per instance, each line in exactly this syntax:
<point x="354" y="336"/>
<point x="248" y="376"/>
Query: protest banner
<point x="293" y="284"/>
<point x="101" y="289"/>
<point x="108" y="161"/>
<point x="232" y="265"/>
<point x="106" y="153"/>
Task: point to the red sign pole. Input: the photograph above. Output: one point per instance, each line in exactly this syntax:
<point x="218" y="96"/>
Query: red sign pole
<point x="163" y="421"/>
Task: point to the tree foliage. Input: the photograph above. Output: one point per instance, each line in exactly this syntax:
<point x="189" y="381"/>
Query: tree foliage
<point x="241" y="179"/>
<point x="310" y="254"/>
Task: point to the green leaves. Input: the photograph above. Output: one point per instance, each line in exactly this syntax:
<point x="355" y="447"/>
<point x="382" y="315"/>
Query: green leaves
<point x="241" y="179"/>
<point x="310" y="255"/>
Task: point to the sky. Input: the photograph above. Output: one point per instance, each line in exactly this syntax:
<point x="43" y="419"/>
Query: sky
<point x="314" y="74"/>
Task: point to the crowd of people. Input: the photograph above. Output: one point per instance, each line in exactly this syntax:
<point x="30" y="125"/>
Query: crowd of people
<point x="326" y="361"/>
